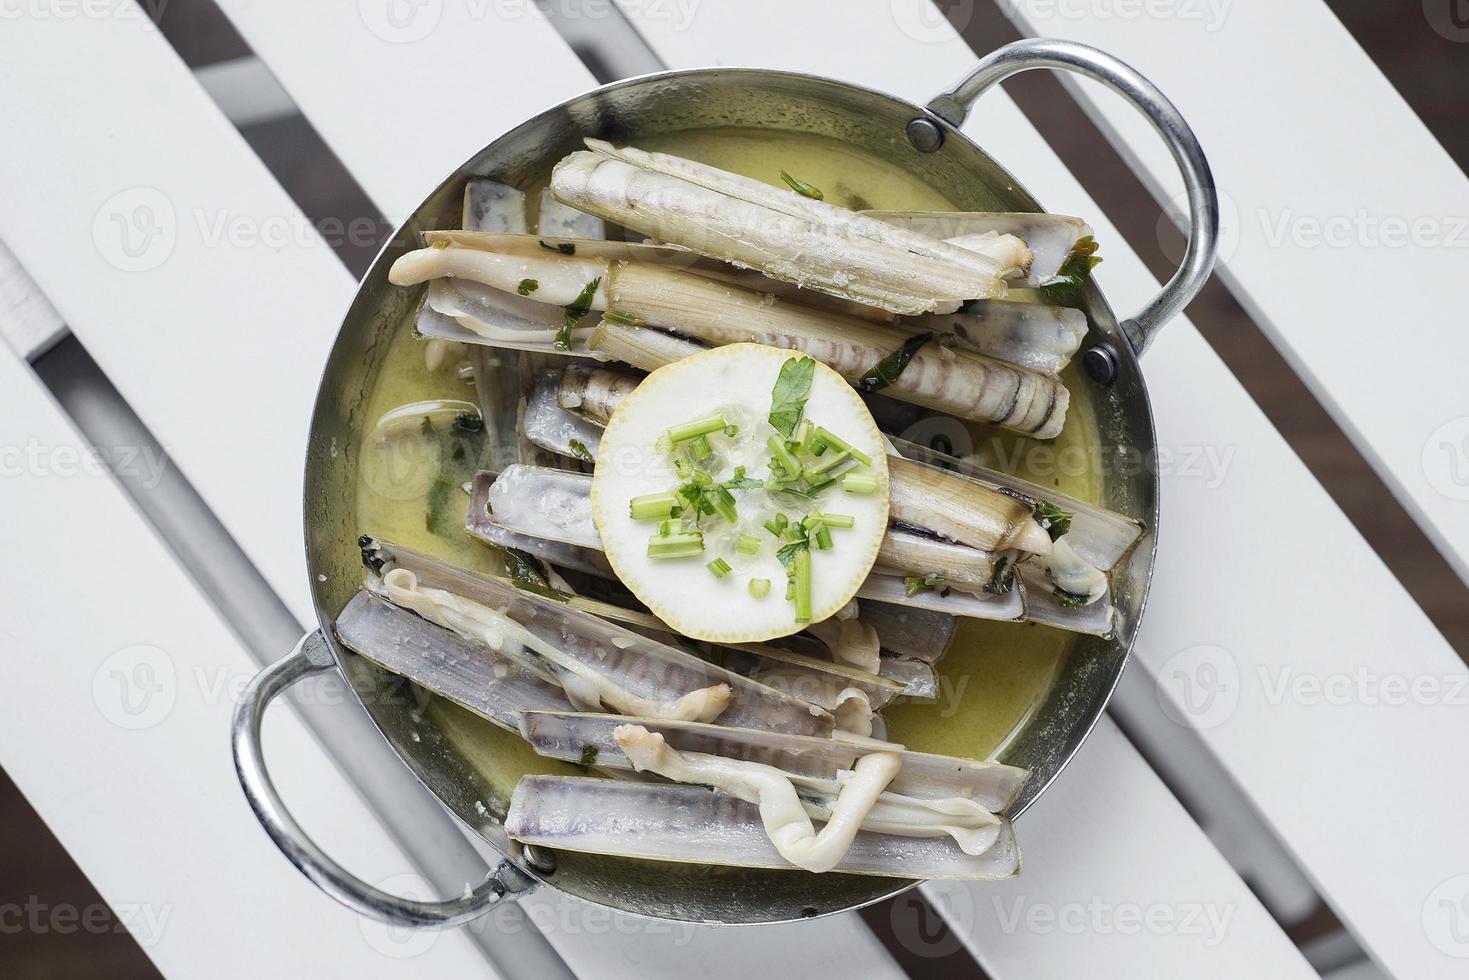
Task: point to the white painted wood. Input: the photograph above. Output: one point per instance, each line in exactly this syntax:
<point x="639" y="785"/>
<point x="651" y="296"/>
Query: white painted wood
<point x="28" y="321"/>
<point x="179" y="263"/>
<point x="114" y="721"/>
<point x="1228" y="471"/>
<point x="405" y="92"/>
<point x="262" y="306"/>
<point x="1347" y="223"/>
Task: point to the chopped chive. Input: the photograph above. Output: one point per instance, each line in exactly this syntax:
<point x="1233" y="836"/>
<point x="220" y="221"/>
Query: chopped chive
<point x="685" y="431"/>
<point x="777" y="524"/>
<point x="739" y="474"/>
<point x="731" y="431"/>
<point x="723" y="503"/>
<point x="683" y="467"/>
<point x="830" y="463"/>
<point x="626" y="319"/>
<point x="652" y="506"/>
<point x="719" y="567"/>
<point x="803" y="433"/>
<point x="863" y="482"/>
<point x="801" y="187"/>
<point x="759" y="587"/>
<point x="828" y="520"/>
<point x="527" y="286"/>
<point x="802" y="581"/>
<point x="747" y="544"/>
<point x="788" y="462"/>
<point x="823" y="537"/>
<point x="836" y="442"/>
<point x="682" y="545"/>
<point x="700" y="449"/>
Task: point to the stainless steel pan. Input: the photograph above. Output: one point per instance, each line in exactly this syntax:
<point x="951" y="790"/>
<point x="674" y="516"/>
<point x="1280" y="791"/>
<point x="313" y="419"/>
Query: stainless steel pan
<point x="922" y="141"/>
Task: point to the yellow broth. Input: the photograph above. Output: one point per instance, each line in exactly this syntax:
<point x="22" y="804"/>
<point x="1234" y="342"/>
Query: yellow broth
<point x="994" y="675"/>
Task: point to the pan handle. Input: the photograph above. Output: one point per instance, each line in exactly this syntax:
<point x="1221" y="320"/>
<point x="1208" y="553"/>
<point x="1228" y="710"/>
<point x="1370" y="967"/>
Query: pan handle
<point x="312" y="656"/>
<point x="1203" y="205"/>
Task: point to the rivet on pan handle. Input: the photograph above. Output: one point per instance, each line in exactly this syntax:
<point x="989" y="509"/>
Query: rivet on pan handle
<point x="311" y="656"/>
<point x="1198" y="259"/>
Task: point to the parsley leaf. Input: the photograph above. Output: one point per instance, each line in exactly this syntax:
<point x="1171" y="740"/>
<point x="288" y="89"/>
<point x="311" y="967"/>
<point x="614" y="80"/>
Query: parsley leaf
<point x="1003" y="579"/>
<point x="1055" y="520"/>
<point x="788" y="397"/>
<point x="575" y="310"/>
<point x="886" y="371"/>
<point x="1073" y="274"/>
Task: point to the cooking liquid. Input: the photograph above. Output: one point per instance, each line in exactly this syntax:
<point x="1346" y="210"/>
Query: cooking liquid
<point x="994" y="675"/>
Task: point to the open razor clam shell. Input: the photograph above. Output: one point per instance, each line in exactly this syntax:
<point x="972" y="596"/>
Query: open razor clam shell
<point x="457" y="309"/>
<point x="478" y="524"/>
<point x="832" y="677"/>
<point x="632" y="661"/>
<point x="1051" y="237"/>
<point x="910" y="632"/>
<point x="490" y="206"/>
<point x="1037" y="336"/>
<point x="918" y="678"/>
<point x="439" y="660"/>
<point x="548" y="425"/>
<point x="691" y="825"/>
<point x="566" y="735"/>
<point x="1009" y="607"/>
<point x="544" y="503"/>
<point x="1099" y="536"/>
<point x="1041" y="605"/>
<point x="558" y="220"/>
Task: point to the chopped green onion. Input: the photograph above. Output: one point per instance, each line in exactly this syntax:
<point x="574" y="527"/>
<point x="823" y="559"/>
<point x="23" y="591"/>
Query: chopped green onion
<point x="665" y="528"/>
<point x="832" y="462"/>
<point x="700" y="449"/>
<point x="823" y="538"/>
<point x="731" y="431"/>
<point x="724" y="504"/>
<point x="828" y="520"/>
<point x="683" y="467"/>
<point x="801" y="187"/>
<point x="828" y="438"/>
<point x="685" y="431"/>
<point x="759" y="587"/>
<point x="738" y="476"/>
<point x="719" y="567"/>
<point x="803" y="433"/>
<point x="788" y="462"/>
<point x="747" y="544"/>
<point x="863" y="482"/>
<point x="914" y="584"/>
<point x="790" y="588"/>
<point x="802" y="581"/>
<point x="527" y="286"/>
<point x="777" y="524"/>
<point x="626" y="319"/>
<point x="682" y="545"/>
<point x="653" y="506"/>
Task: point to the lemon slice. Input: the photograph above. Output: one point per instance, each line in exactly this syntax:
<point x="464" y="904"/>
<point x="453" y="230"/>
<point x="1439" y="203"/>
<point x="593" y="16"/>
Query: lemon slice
<point x="731" y="583"/>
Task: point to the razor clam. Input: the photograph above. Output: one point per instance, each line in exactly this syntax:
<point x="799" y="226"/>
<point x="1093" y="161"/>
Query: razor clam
<point x="1051" y="237"/>
<point x="918" y="678"/>
<point x="493" y="207"/>
<point x="956" y="381"/>
<point x="921" y="554"/>
<point x="1008" y="606"/>
<point x="917" y="634"/>
<point x="823" y="674"/>
<point x="471" y="313"/>
<point x="689" y="824"/>
<point x="492" y="686"/>
<point x="1044" y="604"/>
<point x="561" y="221"/>
<point x="1100" y="537"/>
<point x="1033" y="335"/>
<point x="959" y="509"/>
<point x="439" y="413"/>
<point x="548" y="425"/>
<point x="595" y="659"/>
<point x="783" y="234"/>
<point x="817" y="762"/>
<point x="646" y="350"/>
<point x="478" y="524"/>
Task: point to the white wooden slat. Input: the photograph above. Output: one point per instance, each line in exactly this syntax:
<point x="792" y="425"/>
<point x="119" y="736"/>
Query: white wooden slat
<point x="28" y="321"/>
<point x="1348" y="223"/>
<point x="180" y="264"/>
<point x="404" y="93"/>
<point x="114" y="720"/>
<point x="1200" y="518"/>
<point x="332" y="68"/>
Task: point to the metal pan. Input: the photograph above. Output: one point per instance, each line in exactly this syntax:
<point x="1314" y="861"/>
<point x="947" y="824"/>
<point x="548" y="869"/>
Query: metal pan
<point x="922" y="141"/>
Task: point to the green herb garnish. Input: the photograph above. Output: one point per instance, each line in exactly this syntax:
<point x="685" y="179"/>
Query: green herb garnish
<point x="1055" y="520"/>
<point x="580" y="451"/>
<point x="788" y="397"/>
<point x="565" y="248"/>
<point x="1069" y="600"/>
<point x="914" y="584"/>
<point x="684" y="545"/>
<point x="588" y="755"/>
<point x="575" y="310"/>
<point x="801" y="187"/>
<point x="527" y="286"/>
<point x="862" y="482"/>
<point x="719" y="567"/>
<point x="886" y="371"/>
<point x="626" y="319"/>
<point x="759" y="587"/>
<point x="1073" y="274"/>
<point x="1002" y="580"/>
